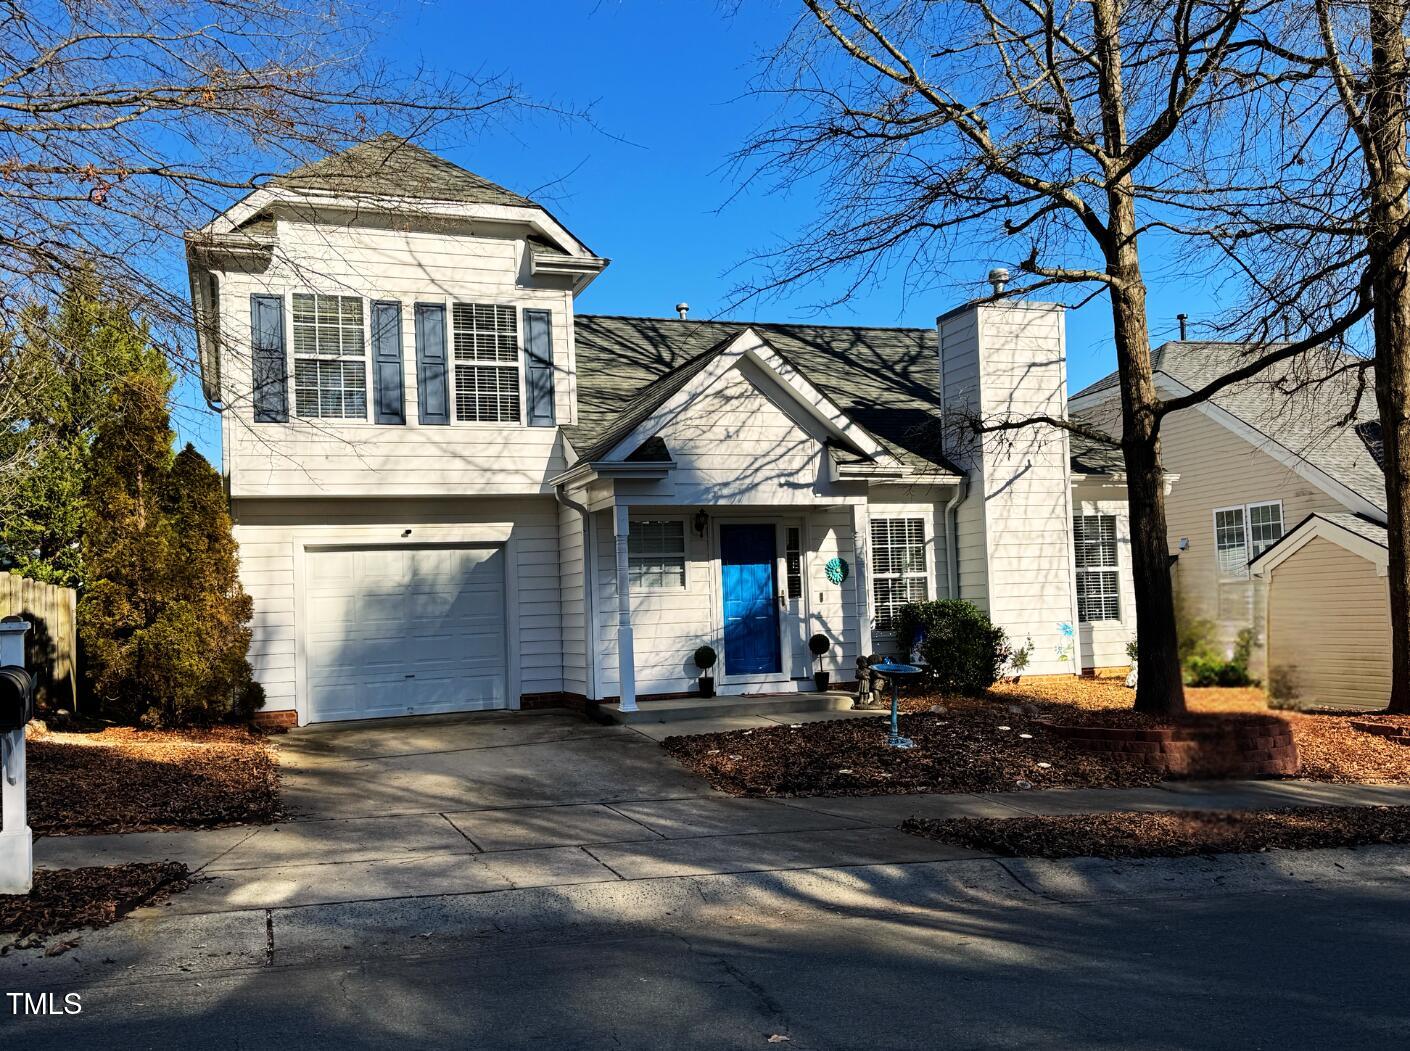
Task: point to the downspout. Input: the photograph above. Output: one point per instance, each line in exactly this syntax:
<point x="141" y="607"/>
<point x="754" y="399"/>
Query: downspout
<point x="952" y="529"/>
<point x="589" y="591"/>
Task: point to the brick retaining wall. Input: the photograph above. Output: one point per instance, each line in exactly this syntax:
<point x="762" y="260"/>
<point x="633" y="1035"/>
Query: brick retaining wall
<point x="1254" y="747"/>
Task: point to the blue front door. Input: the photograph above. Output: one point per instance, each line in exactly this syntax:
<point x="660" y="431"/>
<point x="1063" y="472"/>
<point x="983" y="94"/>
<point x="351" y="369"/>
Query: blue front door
<point x="749" y="579"/>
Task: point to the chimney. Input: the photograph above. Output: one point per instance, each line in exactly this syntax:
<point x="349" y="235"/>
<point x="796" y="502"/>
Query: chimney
<point x="682" y="309"/>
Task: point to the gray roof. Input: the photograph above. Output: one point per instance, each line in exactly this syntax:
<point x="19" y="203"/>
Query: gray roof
<point x="1305" y="418"/>
<point x="885" y="379"/>
<point x="1091" y="457"/>
<point x="1362" y="526"/>
<point x="390" y="166"/>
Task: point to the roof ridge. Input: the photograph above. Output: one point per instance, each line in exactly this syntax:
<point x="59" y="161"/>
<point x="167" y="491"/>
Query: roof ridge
<point x="761" y="324"/>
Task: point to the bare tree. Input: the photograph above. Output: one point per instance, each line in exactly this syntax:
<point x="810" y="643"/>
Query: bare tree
<point x="1065" y="129"/>
<point x="125" y="122"/>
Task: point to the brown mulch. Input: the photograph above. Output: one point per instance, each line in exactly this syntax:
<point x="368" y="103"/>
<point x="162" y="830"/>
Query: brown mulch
<point x="969" y="749"/>
<point x="126" y="780"/>
<point x="962" y="749"/>
<point x="1166" y="835"/>
<point x="67" y="899"/>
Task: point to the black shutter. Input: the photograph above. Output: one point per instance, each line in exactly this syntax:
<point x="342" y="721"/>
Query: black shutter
<point x="431" y="381"/>
<point x="538" y="346"/>
<point x="386" y="362"/>
<point x="269" y="362"/>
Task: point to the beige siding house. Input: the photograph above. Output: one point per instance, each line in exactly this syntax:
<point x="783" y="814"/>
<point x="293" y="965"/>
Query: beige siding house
<point x="1251" y="464"/>
<point x="454" y="490"/>
<point x="1328" y="613"/>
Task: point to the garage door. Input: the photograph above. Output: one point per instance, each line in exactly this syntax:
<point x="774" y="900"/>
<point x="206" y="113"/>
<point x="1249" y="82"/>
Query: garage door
<point x="404" y="631"/>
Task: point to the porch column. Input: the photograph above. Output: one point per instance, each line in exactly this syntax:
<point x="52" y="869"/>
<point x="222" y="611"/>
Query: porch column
<point x="626" y="655"/>
<point x="861" y="530"/>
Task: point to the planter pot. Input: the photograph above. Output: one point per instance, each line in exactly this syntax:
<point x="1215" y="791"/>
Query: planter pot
<point x="821" y="679"/>
<point x="707" y="686"/>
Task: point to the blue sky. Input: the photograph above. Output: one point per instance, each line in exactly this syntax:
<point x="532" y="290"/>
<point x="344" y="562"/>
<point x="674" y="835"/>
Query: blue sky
<point x="651" y="187"/>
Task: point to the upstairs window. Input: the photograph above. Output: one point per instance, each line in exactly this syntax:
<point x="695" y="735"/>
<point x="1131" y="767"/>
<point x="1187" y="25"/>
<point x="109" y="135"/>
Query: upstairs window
<point x="486" y="349"/>
<point x="1098" y="573"/>
<point x="330" y="357"/>
<point x="1243" y="533"/>
<point x="656" y="554"/>
<point x="898" y="563"/>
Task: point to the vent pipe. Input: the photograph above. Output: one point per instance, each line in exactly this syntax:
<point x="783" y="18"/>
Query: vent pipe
<point x="682" y="309"/>
<point x="999" y="279"/>
<point x="1182" y="318"/>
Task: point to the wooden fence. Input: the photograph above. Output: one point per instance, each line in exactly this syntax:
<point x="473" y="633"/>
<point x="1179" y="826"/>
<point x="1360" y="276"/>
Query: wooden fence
<point x="51" y="647"/>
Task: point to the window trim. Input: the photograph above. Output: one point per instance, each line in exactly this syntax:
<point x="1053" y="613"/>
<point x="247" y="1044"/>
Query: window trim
<point x="292" y="357"/>
<point x="1114" y="567"/>
<point x="451" y="302"/>
<point x="1247" y="511"/>
<point x="927" y="545"/>
<point x="685" y="555"/>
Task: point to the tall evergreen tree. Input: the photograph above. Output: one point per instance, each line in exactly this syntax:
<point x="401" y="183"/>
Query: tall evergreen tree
<point x="163" y="619"/>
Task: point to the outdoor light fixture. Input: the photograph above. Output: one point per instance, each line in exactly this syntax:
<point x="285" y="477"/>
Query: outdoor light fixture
<point x="700" y="521"/>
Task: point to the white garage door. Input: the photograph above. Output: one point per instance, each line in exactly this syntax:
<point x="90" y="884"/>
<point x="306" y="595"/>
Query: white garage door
<point x="404" y="631"/>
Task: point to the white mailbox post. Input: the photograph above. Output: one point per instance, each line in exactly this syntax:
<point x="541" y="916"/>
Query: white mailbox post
<point x="16" y="840"/>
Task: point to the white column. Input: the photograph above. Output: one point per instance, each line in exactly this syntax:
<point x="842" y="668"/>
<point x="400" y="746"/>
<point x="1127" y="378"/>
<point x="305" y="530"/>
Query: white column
<point x="626" y="653"/>
<point x="16" y="840"/>
<point x="860" y="532"/>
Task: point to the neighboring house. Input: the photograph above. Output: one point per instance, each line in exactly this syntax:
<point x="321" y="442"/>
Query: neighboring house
<point x="452" y="491"/>
<point x="1252" y="463"/>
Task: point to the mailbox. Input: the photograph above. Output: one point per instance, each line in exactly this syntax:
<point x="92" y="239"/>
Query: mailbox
<point x="16" y="697"/>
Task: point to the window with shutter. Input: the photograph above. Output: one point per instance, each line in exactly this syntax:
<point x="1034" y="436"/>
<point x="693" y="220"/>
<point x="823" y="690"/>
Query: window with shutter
<point x="486" y="349"/>
<point x="330" y="357"/>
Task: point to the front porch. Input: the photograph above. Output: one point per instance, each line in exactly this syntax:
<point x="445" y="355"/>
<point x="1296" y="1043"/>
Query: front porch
<point x="765" y="706"/>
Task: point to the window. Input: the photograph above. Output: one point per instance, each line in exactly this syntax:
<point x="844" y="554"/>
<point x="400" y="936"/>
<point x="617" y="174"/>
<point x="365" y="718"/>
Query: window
<point x="793" y="558"/>
<point x="486" y="348"/>
<point x="1241" y="534"/>
<point x="1098" y="572"/>
<point x="656" y="554"/>
<point x="330" y="370"/>
<point x="898" y="567"/>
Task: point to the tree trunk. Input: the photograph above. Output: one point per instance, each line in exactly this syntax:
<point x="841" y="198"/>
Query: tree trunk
<point x="1389" y="256"/>
<point x="1160" y="689"/>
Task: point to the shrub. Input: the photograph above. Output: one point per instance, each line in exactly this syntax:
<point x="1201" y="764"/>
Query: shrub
<point x="1209" y="670"/>
<point x="964" y="649"/>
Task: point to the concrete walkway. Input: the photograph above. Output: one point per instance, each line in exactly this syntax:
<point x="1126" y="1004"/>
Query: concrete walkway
<point x="502" y="802"/>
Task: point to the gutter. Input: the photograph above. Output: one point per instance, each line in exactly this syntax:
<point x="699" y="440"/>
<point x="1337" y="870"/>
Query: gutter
<point x="952" y="529"/>
<point x="589" y="591"/>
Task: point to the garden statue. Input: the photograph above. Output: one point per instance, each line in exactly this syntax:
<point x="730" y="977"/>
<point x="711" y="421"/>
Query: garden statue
<point x="869" y="684"/>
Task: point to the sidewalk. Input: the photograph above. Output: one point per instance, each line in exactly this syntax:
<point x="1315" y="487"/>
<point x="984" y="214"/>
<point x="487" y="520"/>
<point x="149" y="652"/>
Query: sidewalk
<point x="334" y="860"/>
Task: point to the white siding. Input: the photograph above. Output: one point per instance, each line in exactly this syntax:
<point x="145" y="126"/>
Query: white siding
<point x="342" y="457"/>
<point x="1103" y="644"/>
<point x="271" y="532"/>
<point x="737" y="444"/>
<point x="573" y="594"/>
<point x="1007" y="362"/>
<point x="1329" y="628"/>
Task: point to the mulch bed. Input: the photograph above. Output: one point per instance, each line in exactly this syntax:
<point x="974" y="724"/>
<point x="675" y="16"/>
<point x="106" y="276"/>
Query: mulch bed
<point x="67" y="899"/>
<point x="966" y="749"/>
<point x="1165" y="835"/>
<point x="125" y="780"/>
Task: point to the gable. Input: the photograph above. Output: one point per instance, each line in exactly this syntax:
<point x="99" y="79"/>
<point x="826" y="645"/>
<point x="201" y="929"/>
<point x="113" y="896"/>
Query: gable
<point x="743" y="441"/>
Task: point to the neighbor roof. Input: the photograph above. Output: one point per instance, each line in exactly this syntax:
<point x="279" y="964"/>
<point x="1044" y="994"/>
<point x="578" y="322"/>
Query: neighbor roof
<point x="390" y="166"/>
<point x="1306" y="419"/>
<point x="885" y="379"/>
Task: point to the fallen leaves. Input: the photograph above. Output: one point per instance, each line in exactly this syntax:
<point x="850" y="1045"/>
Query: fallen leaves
<point x="67" y="899"/>
<point x="124" y="780"/>
<point x="1127" y="834"/>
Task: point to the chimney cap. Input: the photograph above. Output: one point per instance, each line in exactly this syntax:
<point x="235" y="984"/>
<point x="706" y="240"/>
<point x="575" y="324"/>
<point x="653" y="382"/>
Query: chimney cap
<point x="999" y="278"/>
<point x="682" y="309"/>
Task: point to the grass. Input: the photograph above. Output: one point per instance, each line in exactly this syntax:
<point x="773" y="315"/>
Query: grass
<point x="124" y="780"/>
<point x="998" y="743"/>
<point x="1126" y="834"/>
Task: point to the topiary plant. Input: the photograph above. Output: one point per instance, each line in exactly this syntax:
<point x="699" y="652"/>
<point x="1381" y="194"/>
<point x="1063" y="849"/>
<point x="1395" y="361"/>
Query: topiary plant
<point x="964" y="649"/>
<point x="705" y="658"/>
<point x="818" y="646"/>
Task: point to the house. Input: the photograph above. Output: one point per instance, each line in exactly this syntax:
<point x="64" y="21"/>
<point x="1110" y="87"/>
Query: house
<point x="1255" y="461"/>
<point x="1332" y="560"/>
<point x="453" y="491"/>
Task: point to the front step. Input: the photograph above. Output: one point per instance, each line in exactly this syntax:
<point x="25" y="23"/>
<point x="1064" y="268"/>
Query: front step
<point x="685" y="708"/>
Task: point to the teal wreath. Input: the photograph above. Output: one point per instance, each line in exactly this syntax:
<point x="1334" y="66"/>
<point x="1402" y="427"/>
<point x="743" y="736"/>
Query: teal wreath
<point x="837" y="570"/>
